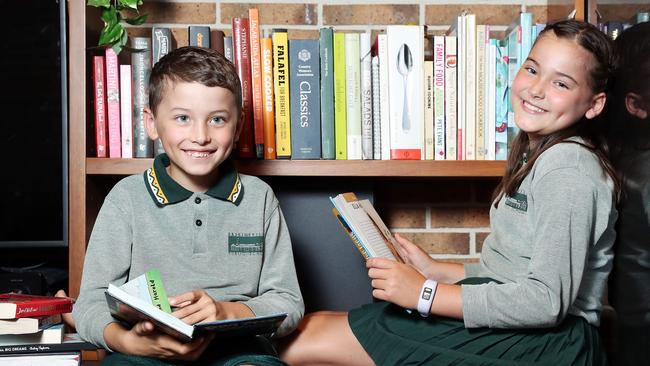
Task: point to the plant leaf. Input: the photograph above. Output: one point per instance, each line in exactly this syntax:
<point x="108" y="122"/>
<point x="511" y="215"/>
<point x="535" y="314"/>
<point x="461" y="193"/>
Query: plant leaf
<point x="109" y="16"/>
<point x="137" y="20"/>
<point x="131" y="4"/>
<point x="111" y="34"/>
<point x="99" y="3"/>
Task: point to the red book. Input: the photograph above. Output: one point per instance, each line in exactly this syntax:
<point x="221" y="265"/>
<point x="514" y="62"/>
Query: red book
<point x="99" y="86"/>
<point x="14" y="305"/>
<point x="113" y="104"/>
<point x="256" y="78"/>
<point x="241" y="53"/>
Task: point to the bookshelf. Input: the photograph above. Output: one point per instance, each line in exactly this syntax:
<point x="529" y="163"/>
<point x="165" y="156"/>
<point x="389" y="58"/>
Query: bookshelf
<point x="87" y="173"/>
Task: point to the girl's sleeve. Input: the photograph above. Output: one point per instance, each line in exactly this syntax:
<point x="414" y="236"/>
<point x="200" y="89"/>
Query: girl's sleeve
<point x="564" y="222"/>
<point x="278" y="288"/>
<point x="107" y="260"/>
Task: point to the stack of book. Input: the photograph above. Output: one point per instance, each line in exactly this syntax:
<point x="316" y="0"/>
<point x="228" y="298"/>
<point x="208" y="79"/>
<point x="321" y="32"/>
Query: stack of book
<point x="32" y="332"/>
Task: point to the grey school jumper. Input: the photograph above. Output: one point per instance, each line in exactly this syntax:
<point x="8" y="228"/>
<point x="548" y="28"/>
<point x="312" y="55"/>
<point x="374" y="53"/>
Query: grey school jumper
<point x="231" y="241"/>
<point x="551" y="246"/>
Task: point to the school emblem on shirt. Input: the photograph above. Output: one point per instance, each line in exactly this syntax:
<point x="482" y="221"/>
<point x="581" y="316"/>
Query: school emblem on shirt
<point x="245" y="243"/>
<point x="518" y="201"/>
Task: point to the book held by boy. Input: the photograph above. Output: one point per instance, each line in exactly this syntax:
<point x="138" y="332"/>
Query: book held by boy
<point x="132" y="302"/>
<point x="364" y="226"/>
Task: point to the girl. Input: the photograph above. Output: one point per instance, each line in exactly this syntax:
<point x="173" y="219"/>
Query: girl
<point x="535" y="296"/>
<point x="629" y="117"/>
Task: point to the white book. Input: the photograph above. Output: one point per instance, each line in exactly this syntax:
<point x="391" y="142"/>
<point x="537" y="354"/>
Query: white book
<point x="406" y="81"/>
<point x="428" y="111"/>
<point x="439" y="96"/>
<point x="353" y="95"/>
<point x="491" y="101"/>
<point x="364" y="226"/>
<point x="451" y="107"/>
<point x="376" y="110"/>
<point x="481" y="93"/>
<point x="28" y="325"/>
<point x="461" y="96"/>
<point x="126" y="111"/>
<point x="366" y="96"/>
<point x="470" y="86"/>
<point x="384" y="107"/>
<point x="51" y="335"/>
<point x="131" y="308"/>
<point x="49" y="359"/>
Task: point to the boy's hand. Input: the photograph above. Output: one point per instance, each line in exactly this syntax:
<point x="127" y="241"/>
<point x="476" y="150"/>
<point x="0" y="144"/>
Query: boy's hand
<point x="144" y="340"/>
<point x="197" y="306"/>
<point x="396" y="282"/>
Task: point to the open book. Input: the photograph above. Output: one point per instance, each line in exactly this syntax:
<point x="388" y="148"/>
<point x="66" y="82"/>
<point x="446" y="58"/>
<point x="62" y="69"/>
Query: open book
<point x="132" y="302"/>
<point x="365" y="227"/>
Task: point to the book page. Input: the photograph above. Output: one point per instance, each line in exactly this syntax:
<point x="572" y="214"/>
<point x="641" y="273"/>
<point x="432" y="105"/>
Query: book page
<point x="389" y="239"/>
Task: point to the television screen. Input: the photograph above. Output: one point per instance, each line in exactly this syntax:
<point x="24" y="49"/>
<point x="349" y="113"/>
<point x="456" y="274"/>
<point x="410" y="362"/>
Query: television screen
<point x="33" y="139"/>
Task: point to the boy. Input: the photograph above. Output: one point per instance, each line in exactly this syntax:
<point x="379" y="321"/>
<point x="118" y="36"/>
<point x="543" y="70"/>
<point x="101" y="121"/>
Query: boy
<point x="218" y="238"/>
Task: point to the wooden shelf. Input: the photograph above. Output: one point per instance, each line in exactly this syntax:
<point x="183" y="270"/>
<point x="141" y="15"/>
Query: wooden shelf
<point x="324" y="168"/>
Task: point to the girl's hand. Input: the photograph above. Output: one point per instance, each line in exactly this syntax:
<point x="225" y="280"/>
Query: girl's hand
<point x="415" y="256"/>
<point x="396" y="282"/>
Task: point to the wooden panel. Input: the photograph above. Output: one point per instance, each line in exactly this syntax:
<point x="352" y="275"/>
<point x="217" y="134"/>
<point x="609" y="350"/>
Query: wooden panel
<point x="329" y="168"/>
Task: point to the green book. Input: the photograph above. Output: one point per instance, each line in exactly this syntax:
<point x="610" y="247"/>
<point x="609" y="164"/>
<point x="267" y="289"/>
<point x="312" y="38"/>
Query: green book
<point x="149" y="287"/>
<point x="327" y="93"/>
<point x="340" y="125"/>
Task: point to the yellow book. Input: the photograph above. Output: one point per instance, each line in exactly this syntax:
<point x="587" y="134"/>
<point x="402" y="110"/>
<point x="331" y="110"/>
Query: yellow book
<point x="340" y="124"/>
<point x="281" y="81"/>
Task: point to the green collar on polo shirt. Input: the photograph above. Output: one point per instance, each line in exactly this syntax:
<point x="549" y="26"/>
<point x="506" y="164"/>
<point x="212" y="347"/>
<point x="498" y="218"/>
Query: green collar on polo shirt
<point x="164" y="190"/>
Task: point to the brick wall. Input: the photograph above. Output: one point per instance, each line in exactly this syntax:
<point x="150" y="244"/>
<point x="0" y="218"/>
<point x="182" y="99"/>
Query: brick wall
<point x="447" y="217"/>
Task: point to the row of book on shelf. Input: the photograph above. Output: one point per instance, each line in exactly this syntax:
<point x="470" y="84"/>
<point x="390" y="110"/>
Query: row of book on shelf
<point x="32" y="331"/>
<point x="405" y="95"/>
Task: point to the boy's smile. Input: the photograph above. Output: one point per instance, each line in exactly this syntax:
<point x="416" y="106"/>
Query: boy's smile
<point x="198" y="126"/>
<point x="552" y="89"/>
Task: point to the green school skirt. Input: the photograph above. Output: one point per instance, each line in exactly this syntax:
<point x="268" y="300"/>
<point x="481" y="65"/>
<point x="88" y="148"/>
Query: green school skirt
<point x="391" y="336"/>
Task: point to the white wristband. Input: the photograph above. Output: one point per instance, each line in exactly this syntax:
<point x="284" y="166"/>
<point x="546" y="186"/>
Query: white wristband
<point x="426" y="297"/>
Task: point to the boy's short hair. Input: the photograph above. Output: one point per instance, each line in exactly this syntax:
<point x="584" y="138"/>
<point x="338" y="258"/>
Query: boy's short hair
<point x="193" y="64"/>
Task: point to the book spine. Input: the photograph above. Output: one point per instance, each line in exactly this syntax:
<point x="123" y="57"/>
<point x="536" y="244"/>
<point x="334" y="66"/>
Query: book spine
<point x="99" y="87"/>
<point x="282" y="102"/>
<point x="353" y="95"/>
<point x="376" y="110"/>
<point x="501" y="118"/>
<point x="470" y="87"/>
<point x="327" y="93"/>
<point x="126" y="109"/>
<point x="460" y="87"/>
<point x="31" y="309"/>
<point x="366" y="96"/>
<point x="45" y="348"/>
<point x="267" y="97"/>
<point x="429" y="127"/>
<point x="198" y="35"/>
<point x="227" y="48"/>
<point x="451" y="107"/>
<point x="526" y="36"/>
<point x="242" y="57"/>
<point x="491" y="101"/>
<point x="216" y="40"/>
<point x="304" y="81"/>
<point x="405" y="61"/>
<point x="439" y="97"/>
<point x="161" y="44"/>
<point x="480" y="92"/>
<point x="256" y="82"/>
<point x="141" y="64"/>
<point x="113" y="104"/>
<point x="513" y="44"/>
<point x="384" y="113"/>
<point x="340" y="107"/>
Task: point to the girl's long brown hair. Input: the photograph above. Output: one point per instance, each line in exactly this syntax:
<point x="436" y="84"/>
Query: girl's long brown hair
<point x="592" y="131"/>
